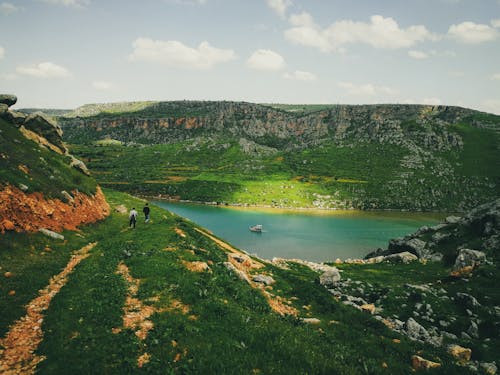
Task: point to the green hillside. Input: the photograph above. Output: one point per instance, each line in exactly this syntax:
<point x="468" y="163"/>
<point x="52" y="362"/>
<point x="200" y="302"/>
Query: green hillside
<point x="210" y="321"/>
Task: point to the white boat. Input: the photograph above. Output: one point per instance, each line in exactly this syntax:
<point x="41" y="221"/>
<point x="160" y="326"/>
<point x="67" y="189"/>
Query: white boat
<point x="256" y="228"/>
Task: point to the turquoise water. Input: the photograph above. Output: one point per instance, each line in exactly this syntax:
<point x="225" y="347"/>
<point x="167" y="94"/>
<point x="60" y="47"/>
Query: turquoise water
<point x="314" y="236"/>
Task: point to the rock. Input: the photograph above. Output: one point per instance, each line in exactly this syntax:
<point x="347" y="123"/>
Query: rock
<point x="473" y="330"/>
<point x="459" y="352"/>
<point x="23" y="187"/>
<point x="467" y="300"/>
<point x="452" y="219"/>
<point x="51" y="234"/>
<point x="413" y="245"/>
<point x="404" y="257"/>
<point x="241" y="275"/>
<point x="121" y="209"/>
<point x="8" y="100"/>
<point x="17" y="118"/>
<point x="4" y="108"/>
<point x="369" y="308"/>
<point x="12" y="292"/>
<point x="8" y="274"/>
<point x="330" y="277"/>
<point x="7" y="225"/>
<point x="311" y="320"/>
<point x="45" y="127"/>
<point x="79" y="165"/>
<point x="263" y="279"/>
<point x="373" y="260"/>
<point x="419" y="363"/>
<point x="438" y="237"/>
<point x="489" y="368"/>
<point x="415" y="331"/>
<point x="468" y="258"/>
<point x="67" y="196"/>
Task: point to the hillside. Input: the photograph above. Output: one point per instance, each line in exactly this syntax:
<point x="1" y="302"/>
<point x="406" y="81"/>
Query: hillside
<point x="369" y="157"/>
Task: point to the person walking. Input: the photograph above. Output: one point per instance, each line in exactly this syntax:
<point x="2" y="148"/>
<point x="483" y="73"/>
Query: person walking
<point x="132" y="218"/>
<point x="146" y="211"/>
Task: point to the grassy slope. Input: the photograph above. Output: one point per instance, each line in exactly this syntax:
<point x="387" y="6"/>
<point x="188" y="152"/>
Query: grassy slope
<point x="235" y="331"/>
<point x="366" y="175"/>
<point x="16" y="150"/>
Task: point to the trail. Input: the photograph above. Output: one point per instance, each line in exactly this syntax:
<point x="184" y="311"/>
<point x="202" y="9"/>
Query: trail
<point x="17" y="355"/>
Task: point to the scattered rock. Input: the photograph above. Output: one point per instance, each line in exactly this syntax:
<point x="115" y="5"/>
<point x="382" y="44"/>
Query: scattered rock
<point x="330" y="277"/>
<point x="8" y="274"/>
<point x="51" y="234"/>
<point x="452" y="219"/>
<point x="489" y="368"/>
<point x="263" y="279"/>
<point x="67" y="196"/>
<point x="469" y="258"/>
<point x="23" y="187"/>
<point x="311" y="320"/>
<point x="369" y="308"/>
<point x="79" y="165"/>
<point x="467" y="300"/>
<point x="419" y="363"/>
<point x="459" y="352"/>
<point x="473" y="330"/>
<point x="403" y="257"/>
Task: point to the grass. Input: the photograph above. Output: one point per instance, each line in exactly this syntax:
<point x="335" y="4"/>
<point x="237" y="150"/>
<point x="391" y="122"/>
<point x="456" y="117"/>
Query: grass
<point x="228" y="327"/>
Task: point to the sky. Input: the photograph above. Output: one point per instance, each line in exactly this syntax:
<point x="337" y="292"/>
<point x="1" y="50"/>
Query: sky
<point x="66" y="53"/>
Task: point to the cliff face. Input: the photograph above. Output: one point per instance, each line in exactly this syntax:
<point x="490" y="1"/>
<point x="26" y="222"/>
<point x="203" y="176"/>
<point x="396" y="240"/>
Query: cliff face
<point x="428" y="127"/>
<point x="36" y="174"/>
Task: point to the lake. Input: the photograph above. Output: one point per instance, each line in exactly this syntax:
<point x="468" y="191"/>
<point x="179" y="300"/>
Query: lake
<point x="311" y="235"/>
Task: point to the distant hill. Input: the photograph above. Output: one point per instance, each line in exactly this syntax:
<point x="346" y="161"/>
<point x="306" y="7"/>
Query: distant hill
<point x="412" y="157"/>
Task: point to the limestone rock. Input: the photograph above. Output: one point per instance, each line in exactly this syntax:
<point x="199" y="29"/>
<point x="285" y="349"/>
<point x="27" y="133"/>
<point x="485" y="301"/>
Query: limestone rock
<point x="467" y="300"/>
<point x="311" y="320"/>
<point x="330" y="277"/>
<point x="121" y="209"/>
<point x="452" y="219"/>
<point x="404" y="257"/>
<point x="469" y="258"/>
<point x="45" y="127"/>
<point x="459" y="352"/>
<point x="241" y="275"/>
<point x="8" y="99"/>
<point x="79" y="165"/>
<point x="369" y="308"/>
<point x="490" y="368"/>
<point x="4" y="108"/>
<point x="419" y="363"/>
<point x="413" y="245"/>
<point x="17" y="118"/>
<point x="263" y="279"/>
<point x="51" y="234"/>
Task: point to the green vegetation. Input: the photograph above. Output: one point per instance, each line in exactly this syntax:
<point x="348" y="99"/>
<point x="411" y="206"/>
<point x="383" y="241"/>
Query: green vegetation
<point x="220" y="325"/>
<point x="22" y="161"/>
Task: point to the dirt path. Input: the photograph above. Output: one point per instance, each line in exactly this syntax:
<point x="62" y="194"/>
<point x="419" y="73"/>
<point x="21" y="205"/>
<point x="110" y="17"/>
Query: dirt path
<point x="17" y="355"/>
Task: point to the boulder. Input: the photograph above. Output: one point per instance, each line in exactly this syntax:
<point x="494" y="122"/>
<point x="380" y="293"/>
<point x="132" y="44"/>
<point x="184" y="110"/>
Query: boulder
<point x="17" y="118"/>
<point x="467" y="300"/>
<point x="330" y="277"/>
<point x="47" y="128"/>
<point x="459" y="352"/>
<point x="311" y="320"/>
<point x="369" y="308"/>
<point x="51" y="234"/>
<point x="263" y="279"/>
<point x="419" y="363"/>
<point x="404" y="257"/>
<point x="79" y="165"/>
<point x="8" y="100"/>
<point x="452" y="219"/>
<point x="489" y="368"/>
<point x="241" y="275"/>
<point x="413" y="245"/>
<point x="469" y="258"/>
<point x="415" y="331"/>
<point x="4" y="108"/>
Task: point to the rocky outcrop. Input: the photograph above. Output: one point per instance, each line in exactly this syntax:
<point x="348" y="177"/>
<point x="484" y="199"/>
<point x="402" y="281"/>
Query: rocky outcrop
<point x="8" y="100"/>
<point x="46" y="128"/>
<point x="21" y="212"/>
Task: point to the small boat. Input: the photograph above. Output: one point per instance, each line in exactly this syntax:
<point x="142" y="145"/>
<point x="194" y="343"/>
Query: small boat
<point x="256" y="228"/>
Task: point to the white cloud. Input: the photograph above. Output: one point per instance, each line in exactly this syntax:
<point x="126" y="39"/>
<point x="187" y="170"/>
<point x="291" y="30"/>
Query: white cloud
<point x="68" y="3"/>
<point x="8" y="8"/>
<point x="366" y="89"/>
<point x="472" y="33"/>
<point x="495" y="23"/>
<point x="431" y="101"/>
<point x="419" y="55"/>
<point x="102" y="85"/>
<point x="175" y="53"/>
<point x="495" y="77"/>
<point x="300" y="75"/>
<point x="188" y="2"/>
<point x="265" y="59"/>
<point x="2" y="53"/>
<point x="279" y="6"/>
<point x="491" y="106"/>
<point x="44" y="70"/>
<point x="380" y="32"/>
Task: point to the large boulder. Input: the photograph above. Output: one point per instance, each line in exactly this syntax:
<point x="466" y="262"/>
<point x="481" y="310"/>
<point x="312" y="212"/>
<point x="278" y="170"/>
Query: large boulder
<point x="79" y="165"/>
<point x="330" y="277"/>
<point x="8" y="99"/>
<point x="469" y="258"/>
<point x="403" y="257"/>
<point x="413" y="245"/>
<point x="47" y="128"/>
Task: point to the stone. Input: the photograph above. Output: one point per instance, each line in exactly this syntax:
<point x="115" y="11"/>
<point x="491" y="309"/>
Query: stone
<point x="452" y="219"/>
<point x="369" y="308"/>
<point x="330" y="277"/>
<point x="468" y="258"/>
<point x="490" y="368"/>
<point x="51" y="234"/>
<point x="121" y="209"/>
<point x="23" y="187"/>
<point x="8" y="274"/>
<point x="17" y="118"/>
<point x="8" y="100"/>
<point x="311" y="320"/>
<point x="79" y="165"/>
<point x="419" y="363"/>
<point x="47" y="128"/>
<point x="240" y="274"/>
<point x="263" y="279"/>
<point x="403" y="257"/>
<point x="415" y="331"/>
<point x="467" y="300"/>
<point x="377" y="259"/>
<point x="473" y="330"/>
<point x="4" y="108"/>
<point x="67" y="196"/>
<point x="459" y="352"/>
<point x="12" y="293"/>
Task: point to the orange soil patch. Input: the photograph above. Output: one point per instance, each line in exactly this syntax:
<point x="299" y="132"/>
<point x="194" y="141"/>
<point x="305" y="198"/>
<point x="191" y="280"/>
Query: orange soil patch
<point x="180" y="232"/>
<point x="30" y="212"/>
<point x="143" y="359"/>
<point x="196" y="266"/>
<point x="24" y="336"/>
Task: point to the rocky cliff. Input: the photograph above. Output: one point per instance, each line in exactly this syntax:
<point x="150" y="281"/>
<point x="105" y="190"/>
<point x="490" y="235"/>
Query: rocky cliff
<point x="42" y="186"/>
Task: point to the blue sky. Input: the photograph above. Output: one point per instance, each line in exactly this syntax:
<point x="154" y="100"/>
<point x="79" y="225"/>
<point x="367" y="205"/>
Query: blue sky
<point x="65" y="53"/>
